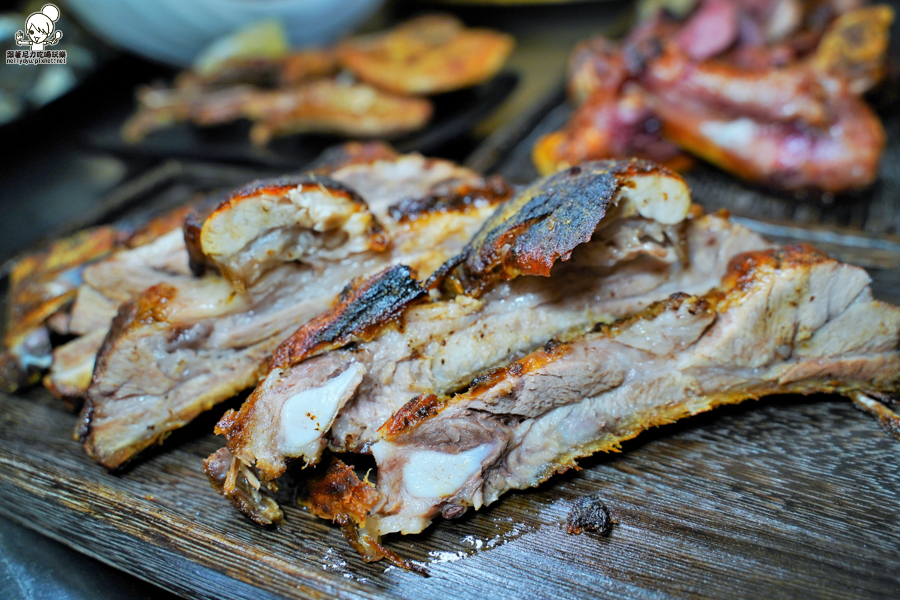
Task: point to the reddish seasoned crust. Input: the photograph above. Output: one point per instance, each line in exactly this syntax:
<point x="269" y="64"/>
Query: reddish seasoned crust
<point x="417" y="410"/>
<point x="747" y="270"/>
<point x="336" y="493"/>
<point x="458" y="198"/>
<point x="543" y="224"/>
<point x="423" y="407"/>
<point x="362" y="310"/>
<point x="282" y="185"/>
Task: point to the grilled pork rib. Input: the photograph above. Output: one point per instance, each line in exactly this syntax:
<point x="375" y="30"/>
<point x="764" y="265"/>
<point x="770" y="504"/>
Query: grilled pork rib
<point x="789" y="320"/>
<point x="630" y="262"/>
<point x="177" y="350"/>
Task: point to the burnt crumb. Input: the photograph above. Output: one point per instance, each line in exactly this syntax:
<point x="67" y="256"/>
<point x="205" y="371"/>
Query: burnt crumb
<point x="588" y="513"/>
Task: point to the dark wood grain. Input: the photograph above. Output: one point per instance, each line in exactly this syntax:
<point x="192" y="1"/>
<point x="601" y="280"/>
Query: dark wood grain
<point x="772" y="499"/>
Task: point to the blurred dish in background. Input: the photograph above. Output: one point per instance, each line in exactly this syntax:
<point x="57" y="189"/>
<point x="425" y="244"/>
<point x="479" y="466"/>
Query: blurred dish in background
<point x="770" y="91"/>
<point x="176" y="31"/>
<point x="367" y="86"/>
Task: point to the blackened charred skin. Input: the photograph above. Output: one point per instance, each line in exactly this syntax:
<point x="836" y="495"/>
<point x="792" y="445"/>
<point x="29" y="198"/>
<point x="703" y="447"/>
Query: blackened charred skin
<point x="363" y="309"/>
<point x="453" y="198"/>
<point x="544" y="223"/>
<point x="589" y="513"/>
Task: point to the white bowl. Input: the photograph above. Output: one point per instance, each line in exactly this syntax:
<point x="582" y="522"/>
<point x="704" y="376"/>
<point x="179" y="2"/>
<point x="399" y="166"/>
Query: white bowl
<point x="174" y="31"/>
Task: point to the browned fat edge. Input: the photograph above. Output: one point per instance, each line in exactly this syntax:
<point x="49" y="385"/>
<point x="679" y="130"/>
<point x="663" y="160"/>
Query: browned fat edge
<point x="545" y="222"/>
<point x="746" y="270"/>
<point x="426" y="406"/>
<point x="459" y="198"/>
<point x="352" y="153"/>
<point x="149" y="308"/>
<point x="364" y="308"/>
<point x="378" y="241"/>
<point x="197" y="261"/>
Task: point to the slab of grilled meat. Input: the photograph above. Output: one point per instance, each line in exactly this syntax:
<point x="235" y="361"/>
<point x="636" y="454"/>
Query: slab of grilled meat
<point x="787" y="320"/>
<point x="770" y="92"/>
<point x="329" y="385"/>
<point x="43" y="285"/>
<point x="176" y="350"/>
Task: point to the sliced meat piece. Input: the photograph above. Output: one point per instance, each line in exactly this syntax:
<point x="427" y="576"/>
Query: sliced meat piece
<point x="426" y="55"/>
<point x="41" y="284"/>
<point x="310" y="218"/>
<point x="178" y="350"/>
<point x="783" y="321"/>
<point x="444" y="345"/>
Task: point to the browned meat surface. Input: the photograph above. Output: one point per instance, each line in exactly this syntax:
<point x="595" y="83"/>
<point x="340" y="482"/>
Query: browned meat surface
<point x="631" y="262"/>
<point x="44" y="284"/>
<point x="179" y="349"/>
<point x="426" y="55"/>
<point x="770" y="92"/>
<point x="782" y="321"/>
<point x="41" y="285"/>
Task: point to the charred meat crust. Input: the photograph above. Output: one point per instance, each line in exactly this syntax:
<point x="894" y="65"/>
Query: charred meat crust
<point x="197" y="261"/>
<point x="544" y="223"/>
<point x="493" y="190"/>
<point x="336" y="493"/>
<point x="363" y="308"/>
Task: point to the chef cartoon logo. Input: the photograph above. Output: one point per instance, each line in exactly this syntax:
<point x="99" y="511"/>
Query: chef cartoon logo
<point x="40" y="32"/>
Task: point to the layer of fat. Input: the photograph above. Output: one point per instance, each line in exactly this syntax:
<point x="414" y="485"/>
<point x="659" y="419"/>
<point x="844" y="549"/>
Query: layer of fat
<point x="307" y="415"/>
<point x="432" y="474"/>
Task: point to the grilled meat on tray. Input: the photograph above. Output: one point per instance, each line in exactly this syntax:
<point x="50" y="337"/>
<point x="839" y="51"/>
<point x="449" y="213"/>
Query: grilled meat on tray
<point x="177" y="350"/>
<point x="641" y="321"/>
<point x="616" y="230"/>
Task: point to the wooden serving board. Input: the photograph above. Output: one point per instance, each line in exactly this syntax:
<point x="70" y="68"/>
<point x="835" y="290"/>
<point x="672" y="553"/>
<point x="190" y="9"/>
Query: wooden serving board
<point x="777" y="499"/>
